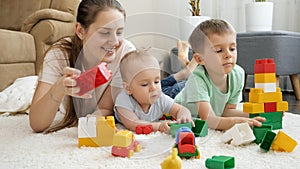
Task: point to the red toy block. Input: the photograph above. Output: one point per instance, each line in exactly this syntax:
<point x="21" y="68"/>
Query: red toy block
<point x="93" y="78"/>
<point x="266" y="65"/>
<point x="147" y="129"/>
<point x="270" y="107"/>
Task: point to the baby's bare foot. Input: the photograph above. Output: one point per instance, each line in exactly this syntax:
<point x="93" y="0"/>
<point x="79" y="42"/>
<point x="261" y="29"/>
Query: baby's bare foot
<point x="183" y="52"/>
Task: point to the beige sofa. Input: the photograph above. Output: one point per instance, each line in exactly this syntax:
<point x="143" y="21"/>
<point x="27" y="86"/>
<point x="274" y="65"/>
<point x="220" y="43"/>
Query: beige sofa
<point x="27" y="29"/>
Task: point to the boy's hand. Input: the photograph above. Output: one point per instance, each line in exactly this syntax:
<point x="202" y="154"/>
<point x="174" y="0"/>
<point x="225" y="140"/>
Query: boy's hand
<point x="164" y="127"/>
<point x="256" y="121"/>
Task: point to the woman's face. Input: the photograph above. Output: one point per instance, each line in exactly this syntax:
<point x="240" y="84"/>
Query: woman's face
<point x="102" y="38"/>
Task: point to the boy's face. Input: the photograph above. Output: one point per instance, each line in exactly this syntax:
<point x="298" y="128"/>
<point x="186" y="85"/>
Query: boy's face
<point x="145" y="87"/>
<point x="220" y="53"/>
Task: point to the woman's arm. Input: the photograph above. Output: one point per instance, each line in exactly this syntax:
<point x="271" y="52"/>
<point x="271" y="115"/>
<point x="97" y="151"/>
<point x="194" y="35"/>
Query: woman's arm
<point x="47" y="99"/>
<point x="130" y="121"/>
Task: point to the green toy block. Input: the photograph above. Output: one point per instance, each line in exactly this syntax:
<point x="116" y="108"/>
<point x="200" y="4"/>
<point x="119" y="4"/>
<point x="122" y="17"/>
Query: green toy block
<point x="220" y="162"/>
<point x="272" y="118"/>
<point x="259" y="132"/>
<point x="175" y="126"/>
<point x="201" y="128"/>
<point x="267" y="140"/>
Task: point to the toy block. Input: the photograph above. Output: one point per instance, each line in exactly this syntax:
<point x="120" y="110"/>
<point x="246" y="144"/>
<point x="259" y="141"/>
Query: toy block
<point x="175" y="126"/>
<point x="259" y="132"/>
<point x="173" y="161"/>
<point x="267" y="140"/>
<point x="87" y="132"/>
<point x="283" y="142"/>
<point x="220" y="162"/>
<point x="167" y="116"/>
<point x="270" y="107"/>
<point x="267" y="87"/>
<point x="257" y="96"/>
<point x="201" y="128"/>
<point x="272" y="118"/>
<point x="265" y="78"/>
<point x="282" y="106"/>
<point x="239" y="134"/>
<point x="124" y="144"/>
<point x="266" y="65"/>
<point x="105" y="130"/>
<point x="143" y="129"/>
<point x="122" y="138"/>
<point x="93" y="78"/>
<point x="253" y="108"/>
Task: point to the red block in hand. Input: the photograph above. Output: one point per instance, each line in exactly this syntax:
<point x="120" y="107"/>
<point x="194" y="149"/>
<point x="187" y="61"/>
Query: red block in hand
<point x="93" y="78"/>
<point x="139" y="129"/>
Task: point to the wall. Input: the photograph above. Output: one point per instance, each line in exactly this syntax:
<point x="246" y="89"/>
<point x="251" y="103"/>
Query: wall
<point x="158" y="23"/>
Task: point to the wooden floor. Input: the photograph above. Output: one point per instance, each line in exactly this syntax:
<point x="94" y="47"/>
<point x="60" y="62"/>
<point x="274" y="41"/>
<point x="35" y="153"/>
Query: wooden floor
<point x="294" y="105"/>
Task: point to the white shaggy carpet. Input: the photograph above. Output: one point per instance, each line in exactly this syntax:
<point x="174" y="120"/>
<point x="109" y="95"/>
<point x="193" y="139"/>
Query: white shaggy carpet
<point x="21" y="148"/>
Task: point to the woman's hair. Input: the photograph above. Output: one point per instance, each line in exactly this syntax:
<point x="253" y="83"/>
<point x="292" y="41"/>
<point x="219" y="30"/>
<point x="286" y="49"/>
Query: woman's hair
<point x="202" y="32"/>
<point x="71" y="46"/>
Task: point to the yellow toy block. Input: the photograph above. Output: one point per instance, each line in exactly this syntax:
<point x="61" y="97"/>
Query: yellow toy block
<point x="122" y="138"/>
<point x="283" y="142"/>
<point x="96" y="131"/>
<point x="105" y="130"/>
<point x="282" y="106"/>
<point x="265" y="78"/>
<point x="258" y="96"/>
<point x="253" y="108"/>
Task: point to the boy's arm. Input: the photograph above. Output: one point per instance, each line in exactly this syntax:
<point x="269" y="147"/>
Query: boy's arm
<point x="231" y="111"/>
<point x="223" y="123"/>
<point x="181" y="113"/>
<point x="130" y="121"/>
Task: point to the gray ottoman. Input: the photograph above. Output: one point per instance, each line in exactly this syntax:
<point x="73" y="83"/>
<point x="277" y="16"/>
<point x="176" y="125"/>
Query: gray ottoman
<point x="283" y="46"/>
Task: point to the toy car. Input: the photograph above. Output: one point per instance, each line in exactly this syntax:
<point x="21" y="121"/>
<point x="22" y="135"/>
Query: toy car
<point x="185" y="143"/>
<point x="124" y="144"/>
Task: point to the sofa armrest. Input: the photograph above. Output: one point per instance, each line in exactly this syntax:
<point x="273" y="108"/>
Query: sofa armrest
<point x="45" y="14"/>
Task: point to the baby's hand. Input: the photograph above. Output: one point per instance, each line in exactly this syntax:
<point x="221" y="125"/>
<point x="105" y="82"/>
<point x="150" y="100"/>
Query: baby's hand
<point x="256" y="121"/>
<point x="184" y="117"/>
<point x="164" y="127"/>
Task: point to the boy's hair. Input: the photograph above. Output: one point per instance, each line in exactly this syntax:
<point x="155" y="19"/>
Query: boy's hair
<point x="135" y="62"/>
<point x="201" y="33"/>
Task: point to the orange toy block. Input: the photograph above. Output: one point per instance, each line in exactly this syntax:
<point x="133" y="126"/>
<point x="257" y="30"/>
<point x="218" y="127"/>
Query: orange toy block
<point x="253" y="108"/>
<point x="283" y="142"/>
<point x="265" y="78"/>
<point x="258" y="96"/>
<point x="282" y="106"/>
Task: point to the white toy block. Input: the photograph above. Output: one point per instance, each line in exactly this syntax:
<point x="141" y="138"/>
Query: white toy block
<point x="267" y="87"/>
<point x="239" y="134"/>
<point x="87" y="127"/>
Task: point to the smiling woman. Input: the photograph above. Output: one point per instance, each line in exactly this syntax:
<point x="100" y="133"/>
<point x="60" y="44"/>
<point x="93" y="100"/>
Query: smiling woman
<point x="98" y="38"/>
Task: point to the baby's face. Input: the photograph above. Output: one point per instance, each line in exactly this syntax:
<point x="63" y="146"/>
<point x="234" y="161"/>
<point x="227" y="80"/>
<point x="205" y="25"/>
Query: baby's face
<point x="220" y="53"/>
<point x="145" y="87"/>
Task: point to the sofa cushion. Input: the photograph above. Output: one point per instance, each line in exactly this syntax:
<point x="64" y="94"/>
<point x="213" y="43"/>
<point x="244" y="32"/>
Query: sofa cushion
<point x="21" y="47"/>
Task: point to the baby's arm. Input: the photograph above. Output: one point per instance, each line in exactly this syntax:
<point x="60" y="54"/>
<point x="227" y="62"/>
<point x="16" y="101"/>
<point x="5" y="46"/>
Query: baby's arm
<point x="130" y="121"/>
<point x="181" y="113"/>
<point x="228" y="119"/>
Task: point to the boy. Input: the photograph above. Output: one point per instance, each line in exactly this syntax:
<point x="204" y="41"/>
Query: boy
<point x="215" y="87"/>
<point x="142" y="102"/>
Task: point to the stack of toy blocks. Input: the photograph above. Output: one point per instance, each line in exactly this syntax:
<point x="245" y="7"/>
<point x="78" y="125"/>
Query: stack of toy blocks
<point x="96" y="131"/>
<point x="266" y="99"/>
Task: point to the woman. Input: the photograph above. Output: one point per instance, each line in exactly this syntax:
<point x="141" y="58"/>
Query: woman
<point x="98" y="38"/>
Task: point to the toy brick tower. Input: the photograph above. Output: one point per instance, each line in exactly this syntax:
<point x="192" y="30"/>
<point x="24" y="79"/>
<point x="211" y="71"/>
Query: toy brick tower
<point x="266" y="99"/>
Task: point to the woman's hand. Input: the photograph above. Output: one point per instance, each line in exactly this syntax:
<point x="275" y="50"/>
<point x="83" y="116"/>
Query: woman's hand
<point x="66" y="85"/>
